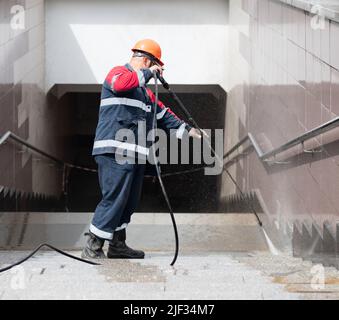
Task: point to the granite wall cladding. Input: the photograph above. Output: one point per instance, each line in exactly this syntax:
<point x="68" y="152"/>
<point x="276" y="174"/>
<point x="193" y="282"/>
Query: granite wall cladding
<point x="24" y="108"/>
<point x="284" y="81"/>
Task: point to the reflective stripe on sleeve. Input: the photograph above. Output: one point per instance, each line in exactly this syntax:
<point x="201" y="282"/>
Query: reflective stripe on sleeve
<point x="125" y="101"/>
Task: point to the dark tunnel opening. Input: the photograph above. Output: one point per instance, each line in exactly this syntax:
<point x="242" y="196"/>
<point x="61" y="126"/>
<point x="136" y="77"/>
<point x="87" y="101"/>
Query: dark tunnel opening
<point x="190" y="192"/>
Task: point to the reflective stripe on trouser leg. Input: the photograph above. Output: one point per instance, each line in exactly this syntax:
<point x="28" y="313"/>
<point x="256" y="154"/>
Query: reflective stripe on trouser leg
<point x="134" y="195"/>
<point x="122" y="227"/>
<point x="115" y="182"/>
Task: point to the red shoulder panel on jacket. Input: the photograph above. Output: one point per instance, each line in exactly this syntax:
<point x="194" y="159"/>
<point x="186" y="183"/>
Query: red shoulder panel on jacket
<point x="122" y="79"/>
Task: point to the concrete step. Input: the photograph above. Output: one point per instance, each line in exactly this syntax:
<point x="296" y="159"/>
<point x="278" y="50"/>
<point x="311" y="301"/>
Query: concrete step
<point x="148" y="231"/>
<point x="202" y="276"/>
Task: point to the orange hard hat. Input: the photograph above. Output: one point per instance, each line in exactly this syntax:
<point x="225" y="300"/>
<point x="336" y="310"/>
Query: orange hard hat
<point x="150" y="47"/>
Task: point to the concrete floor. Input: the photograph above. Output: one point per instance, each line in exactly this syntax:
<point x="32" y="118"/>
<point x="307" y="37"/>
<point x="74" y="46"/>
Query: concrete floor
<point x="252" y="275"/>
<point x="222" y="256"/>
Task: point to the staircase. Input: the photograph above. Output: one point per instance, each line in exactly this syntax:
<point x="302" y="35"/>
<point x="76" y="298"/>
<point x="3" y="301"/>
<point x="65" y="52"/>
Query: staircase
<point x="150" y="231"/>
<point x="16" y="200"/>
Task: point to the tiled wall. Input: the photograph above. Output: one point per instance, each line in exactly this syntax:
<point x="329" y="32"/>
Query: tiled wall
<point x="23" y="105"/>
<point x="284" y="81"/>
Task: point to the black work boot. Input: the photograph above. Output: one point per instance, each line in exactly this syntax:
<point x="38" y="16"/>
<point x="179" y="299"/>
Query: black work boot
<point x="93" y="249"/>
<point x="118" y="249"/>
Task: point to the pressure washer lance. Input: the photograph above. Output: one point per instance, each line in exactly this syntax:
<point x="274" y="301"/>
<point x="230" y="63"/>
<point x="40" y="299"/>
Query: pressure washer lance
<point x="220" y="162"/>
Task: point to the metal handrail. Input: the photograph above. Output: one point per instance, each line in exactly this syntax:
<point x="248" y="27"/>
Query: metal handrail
<point x="65" y="166"/>
<point x="249" y="137"/>
<point x="300" y="139"/>
<point x="10" y="135"/>
<point x="264" y="156"/>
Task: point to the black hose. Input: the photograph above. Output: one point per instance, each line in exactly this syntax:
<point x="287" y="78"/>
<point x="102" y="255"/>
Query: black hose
<point x="51" y="247"/>
<point x="158" y="169"/>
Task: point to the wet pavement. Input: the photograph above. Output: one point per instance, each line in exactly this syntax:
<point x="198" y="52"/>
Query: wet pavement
<point x="252" y="275"/>
<point x="222" y="256"/>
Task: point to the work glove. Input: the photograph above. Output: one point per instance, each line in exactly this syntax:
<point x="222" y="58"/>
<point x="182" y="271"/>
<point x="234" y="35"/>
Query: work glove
<point x="157" y="69"/>
<point x="195" y="133"/>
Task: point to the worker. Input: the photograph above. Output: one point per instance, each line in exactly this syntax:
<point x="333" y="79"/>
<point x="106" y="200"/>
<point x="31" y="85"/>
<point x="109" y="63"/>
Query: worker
<point x="126" y="102"/>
